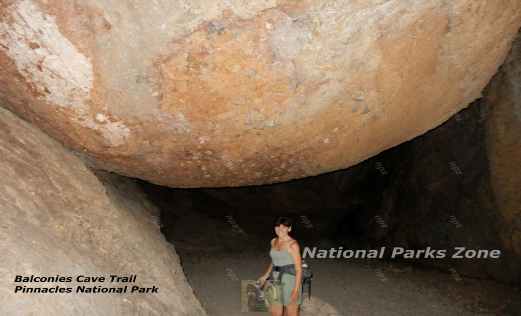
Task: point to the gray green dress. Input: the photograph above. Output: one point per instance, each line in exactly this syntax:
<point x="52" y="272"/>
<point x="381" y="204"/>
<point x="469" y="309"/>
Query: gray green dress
<point x="281" y="258"/>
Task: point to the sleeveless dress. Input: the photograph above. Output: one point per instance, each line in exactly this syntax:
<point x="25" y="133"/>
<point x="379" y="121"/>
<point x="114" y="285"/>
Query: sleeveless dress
<point x="280" y="258"/>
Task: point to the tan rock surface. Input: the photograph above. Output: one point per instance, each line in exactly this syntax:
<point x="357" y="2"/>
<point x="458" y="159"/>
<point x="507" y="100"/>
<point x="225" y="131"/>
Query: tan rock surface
<point x="58" y="218"/>
<point x="233" y="92"/>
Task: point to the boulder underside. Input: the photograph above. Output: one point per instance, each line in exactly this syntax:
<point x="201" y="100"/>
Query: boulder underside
<point x="229" y="93"/>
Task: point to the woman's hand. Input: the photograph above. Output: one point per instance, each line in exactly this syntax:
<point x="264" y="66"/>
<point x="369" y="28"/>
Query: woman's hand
<point x="262" y="279"/>
<point x="294" y="295"/>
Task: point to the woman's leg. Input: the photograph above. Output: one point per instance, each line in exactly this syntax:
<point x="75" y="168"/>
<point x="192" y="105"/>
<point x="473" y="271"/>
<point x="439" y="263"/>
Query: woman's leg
<point x="276" y="310"/>
<point x="292" y="309"/>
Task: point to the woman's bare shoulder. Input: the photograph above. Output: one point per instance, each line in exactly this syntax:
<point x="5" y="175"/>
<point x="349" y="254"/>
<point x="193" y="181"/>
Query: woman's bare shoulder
<point x="293" y="243"/>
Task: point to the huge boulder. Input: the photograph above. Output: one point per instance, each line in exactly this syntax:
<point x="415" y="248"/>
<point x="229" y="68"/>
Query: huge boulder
<point x="232" y="92"/>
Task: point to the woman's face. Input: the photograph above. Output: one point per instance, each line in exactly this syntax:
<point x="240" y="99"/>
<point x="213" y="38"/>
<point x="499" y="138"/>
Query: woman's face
<point x="282" y="230"/>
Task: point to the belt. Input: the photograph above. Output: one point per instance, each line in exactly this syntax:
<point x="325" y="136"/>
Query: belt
<point x="289" y="268"/>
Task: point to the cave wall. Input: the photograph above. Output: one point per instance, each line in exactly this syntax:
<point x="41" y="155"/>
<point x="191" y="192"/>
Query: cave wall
<point x="61" y="218"/>
<point x="439" y="195"/>
<point x="503" y="97"/>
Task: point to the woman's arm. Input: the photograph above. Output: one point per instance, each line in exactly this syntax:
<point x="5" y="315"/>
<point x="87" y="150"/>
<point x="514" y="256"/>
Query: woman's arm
<point x="265" y="275"/>
<point x="294" y="250"/>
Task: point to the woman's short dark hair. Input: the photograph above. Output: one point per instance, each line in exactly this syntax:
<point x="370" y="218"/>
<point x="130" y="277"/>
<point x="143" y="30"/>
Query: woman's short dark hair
<point x="286" y="221"/>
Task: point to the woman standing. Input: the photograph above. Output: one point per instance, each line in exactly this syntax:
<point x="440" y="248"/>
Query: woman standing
<point x="286" y="251"/>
